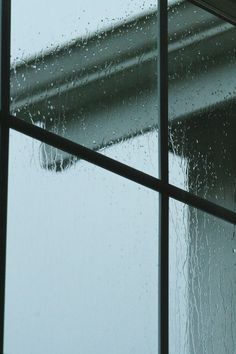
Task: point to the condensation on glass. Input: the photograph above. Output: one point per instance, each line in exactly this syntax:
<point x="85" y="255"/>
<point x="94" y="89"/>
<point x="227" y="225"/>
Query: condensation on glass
<point x="202" y="94"/>
<point x="82" y="259"/>
<point x="202" y="282"/>
<point x="88" y="71"/>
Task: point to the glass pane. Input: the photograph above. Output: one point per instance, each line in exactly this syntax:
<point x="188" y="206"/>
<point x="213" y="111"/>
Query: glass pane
<point x="202" y="93"/>
<point x="82" y="266"/>
<point x="87" y="71"/>
<point x="202" y="282"/>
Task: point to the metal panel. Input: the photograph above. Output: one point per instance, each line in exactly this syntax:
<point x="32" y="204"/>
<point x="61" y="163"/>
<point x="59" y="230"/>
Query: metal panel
<point x="225" y="9"/>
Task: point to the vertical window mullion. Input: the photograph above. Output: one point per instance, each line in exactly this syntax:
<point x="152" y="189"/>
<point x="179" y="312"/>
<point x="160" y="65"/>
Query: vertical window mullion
<point x="163" y="163"/>
<point x="4" y="150"/>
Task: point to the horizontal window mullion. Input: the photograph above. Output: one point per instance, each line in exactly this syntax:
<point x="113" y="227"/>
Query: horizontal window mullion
<point x="120" y="169"/>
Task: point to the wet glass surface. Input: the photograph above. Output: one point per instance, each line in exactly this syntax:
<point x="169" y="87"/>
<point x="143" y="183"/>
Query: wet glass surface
<point x="202" y="94"/>
<point x="82" y="259"/>
<point x="202" y="282"/>
<point x="88" y="72"/>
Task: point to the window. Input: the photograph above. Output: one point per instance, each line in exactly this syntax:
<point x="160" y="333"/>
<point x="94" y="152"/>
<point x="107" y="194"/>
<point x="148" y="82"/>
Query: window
<point x="118" y="178"/>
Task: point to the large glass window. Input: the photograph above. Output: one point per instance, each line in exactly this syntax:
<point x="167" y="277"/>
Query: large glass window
<point x="201" y="103"/>
<point x="117" y="188"/>
<point x="93" y="79"/>
<point x="202" y="282"/>
<point x="82" y="259"/>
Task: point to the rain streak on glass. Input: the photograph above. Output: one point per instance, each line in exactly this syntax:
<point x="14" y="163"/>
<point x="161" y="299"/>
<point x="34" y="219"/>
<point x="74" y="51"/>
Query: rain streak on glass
<point x="82" y="259"/>
<point x="88" y="71"/>
<point x="202" y="282"/>
<point x="202" y="93"/>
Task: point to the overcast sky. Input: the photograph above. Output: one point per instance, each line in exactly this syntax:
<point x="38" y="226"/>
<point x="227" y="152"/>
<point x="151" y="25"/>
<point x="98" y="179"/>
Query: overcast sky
<point x="40" y="25"/>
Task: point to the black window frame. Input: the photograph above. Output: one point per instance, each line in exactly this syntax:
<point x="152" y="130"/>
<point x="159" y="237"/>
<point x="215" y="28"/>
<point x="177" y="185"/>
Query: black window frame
<point x="160" y="185"/>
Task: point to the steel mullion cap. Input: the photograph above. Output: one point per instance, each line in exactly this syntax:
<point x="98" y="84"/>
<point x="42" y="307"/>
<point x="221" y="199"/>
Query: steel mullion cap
<point x="226" y="9"/>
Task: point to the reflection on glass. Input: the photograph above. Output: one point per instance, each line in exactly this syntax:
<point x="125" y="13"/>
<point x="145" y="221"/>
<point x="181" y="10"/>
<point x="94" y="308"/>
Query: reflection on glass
<point x="82" y="272"/>
<point x="202" y="93"/>
<point x="202" y="282"/>
<point x="88" y="71"/>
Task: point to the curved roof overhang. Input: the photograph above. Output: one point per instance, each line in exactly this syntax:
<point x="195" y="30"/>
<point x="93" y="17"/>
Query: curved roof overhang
<point x="102" y="89"/>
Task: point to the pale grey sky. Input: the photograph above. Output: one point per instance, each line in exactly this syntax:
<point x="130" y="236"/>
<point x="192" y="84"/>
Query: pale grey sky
<point x="82" y="259"/>
<point x="40" y="25"/>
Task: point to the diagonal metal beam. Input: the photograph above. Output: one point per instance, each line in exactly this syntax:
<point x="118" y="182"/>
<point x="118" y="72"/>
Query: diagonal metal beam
<point x="120" y="169"/>
<point x="225" y="9"/>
